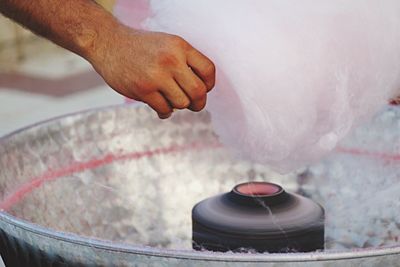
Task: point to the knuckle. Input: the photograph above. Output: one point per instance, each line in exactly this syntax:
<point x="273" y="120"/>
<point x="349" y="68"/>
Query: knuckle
<point x="178" y="41"/>
<point x="209" y="69"/>
<point x="199" y="91"/>
<point x="144" y="88"/>
<point x="182" y="103"/>
<point x="167" y="59"/>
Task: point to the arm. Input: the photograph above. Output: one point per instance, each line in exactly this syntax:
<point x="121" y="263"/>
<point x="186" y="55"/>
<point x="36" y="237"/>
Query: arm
<point x="159" y="69"/>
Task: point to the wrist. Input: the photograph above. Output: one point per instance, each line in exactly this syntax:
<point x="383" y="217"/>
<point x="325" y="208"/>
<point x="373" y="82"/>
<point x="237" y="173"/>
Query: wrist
<point x="97" y="37"/>
<point x="108" y="38"/>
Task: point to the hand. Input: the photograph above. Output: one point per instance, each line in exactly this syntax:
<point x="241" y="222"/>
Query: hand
<point x="159" y="69"/>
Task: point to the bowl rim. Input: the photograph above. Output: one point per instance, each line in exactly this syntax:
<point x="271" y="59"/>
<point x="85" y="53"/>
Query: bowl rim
<point x="119" y="247"/>
<point x="110" y="246"/>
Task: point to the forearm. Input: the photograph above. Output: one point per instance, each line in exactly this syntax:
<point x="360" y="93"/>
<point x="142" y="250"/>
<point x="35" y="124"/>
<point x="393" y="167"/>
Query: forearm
<point x="76" y="25"/>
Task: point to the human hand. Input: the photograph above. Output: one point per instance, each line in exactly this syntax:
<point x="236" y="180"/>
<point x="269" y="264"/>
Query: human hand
<point x="162" y="70"/>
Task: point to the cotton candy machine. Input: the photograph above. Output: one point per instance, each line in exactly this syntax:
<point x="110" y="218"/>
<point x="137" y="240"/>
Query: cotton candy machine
<point x="115" y="187"/>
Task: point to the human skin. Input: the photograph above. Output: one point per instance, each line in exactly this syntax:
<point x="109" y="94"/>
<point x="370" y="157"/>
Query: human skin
<point x="160" y="69"/>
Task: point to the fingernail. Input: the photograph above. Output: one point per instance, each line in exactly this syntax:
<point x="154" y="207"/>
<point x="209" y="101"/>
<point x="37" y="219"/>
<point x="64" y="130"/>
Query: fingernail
<point x="164" y="116"/>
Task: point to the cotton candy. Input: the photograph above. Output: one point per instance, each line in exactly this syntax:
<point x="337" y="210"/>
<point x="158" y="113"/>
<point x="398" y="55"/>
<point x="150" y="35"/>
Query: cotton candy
<point x="294" y="76"/>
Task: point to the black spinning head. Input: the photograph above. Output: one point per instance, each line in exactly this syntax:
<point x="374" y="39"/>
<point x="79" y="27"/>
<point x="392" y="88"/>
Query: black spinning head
<point x="258" y="216"/>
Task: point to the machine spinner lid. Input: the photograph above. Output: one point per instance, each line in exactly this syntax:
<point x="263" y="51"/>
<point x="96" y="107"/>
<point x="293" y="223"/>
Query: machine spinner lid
<point x="258" y="216"/>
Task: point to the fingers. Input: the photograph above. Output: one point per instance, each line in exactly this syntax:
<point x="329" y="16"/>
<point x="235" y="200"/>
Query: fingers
<point x="174" y="94"/>
<point x="194" y="88"/>
<point x="158" y="102"/>
<point x="203" y="67"/>
<point x="183" y="78"/>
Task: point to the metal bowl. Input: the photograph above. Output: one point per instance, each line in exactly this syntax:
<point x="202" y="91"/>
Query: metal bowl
<point x="115" y="187"/>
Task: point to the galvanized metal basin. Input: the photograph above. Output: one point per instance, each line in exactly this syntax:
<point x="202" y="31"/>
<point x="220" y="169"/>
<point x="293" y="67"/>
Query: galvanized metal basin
<point x="115" y="186"/>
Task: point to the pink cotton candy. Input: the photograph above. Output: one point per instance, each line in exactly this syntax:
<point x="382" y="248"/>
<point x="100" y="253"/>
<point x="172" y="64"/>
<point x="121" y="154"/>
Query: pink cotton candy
<point x="132" y="12"/>
<point x="294" y="76"/>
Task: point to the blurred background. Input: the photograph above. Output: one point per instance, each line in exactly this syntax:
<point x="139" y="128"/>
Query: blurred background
<point x="39" y="80"/>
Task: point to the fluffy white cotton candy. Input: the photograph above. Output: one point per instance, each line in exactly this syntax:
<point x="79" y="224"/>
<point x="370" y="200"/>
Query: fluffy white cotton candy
<point x="294" y="76"/>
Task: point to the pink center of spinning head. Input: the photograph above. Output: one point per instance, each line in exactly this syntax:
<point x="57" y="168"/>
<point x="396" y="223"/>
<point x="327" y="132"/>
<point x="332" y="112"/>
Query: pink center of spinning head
<point x="258" y="189"/>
